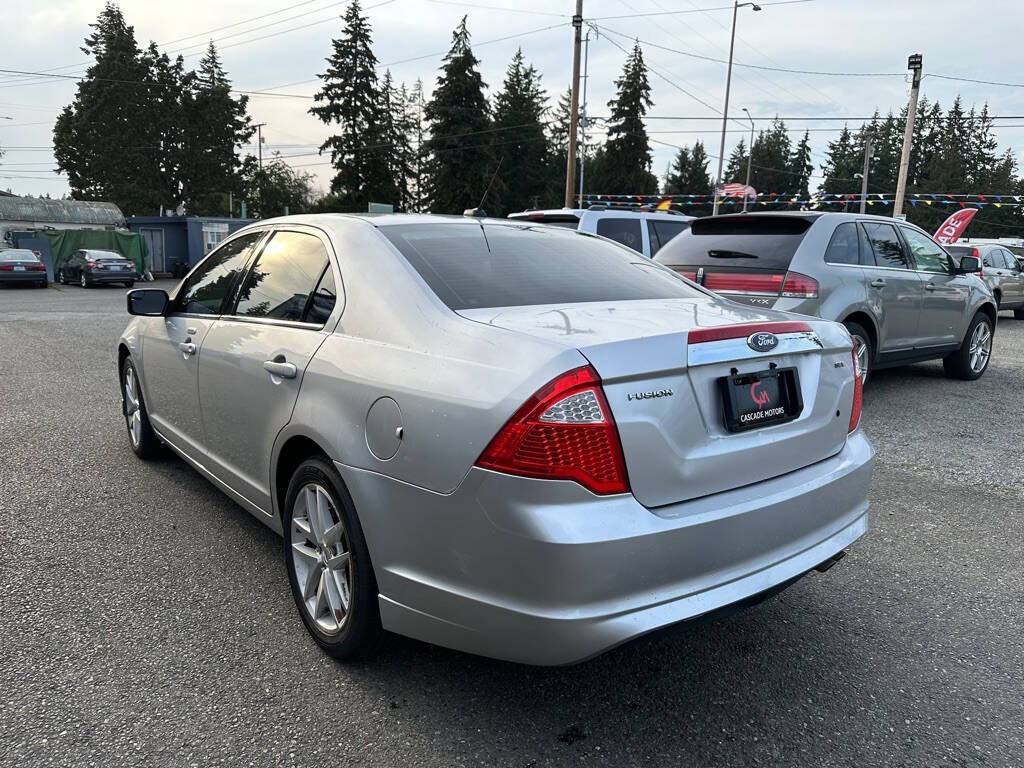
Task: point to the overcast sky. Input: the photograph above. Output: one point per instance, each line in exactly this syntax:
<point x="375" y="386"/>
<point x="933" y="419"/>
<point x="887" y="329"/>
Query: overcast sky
<point x="284" y="49"/>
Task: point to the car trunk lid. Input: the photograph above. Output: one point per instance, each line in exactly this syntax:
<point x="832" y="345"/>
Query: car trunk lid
<point x="661" y="363"/>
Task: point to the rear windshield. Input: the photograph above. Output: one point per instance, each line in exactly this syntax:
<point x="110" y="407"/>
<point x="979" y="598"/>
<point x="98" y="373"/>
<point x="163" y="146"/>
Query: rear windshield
<point x="762" y="242"/>
<point x="17" y="255"/>
<point x="566" y="220"/>
<point x="471" y="266"/>
<point x="96" y="256"/>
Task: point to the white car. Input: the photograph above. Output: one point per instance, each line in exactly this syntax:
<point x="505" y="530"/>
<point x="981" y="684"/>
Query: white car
<point x="623" y="225"/>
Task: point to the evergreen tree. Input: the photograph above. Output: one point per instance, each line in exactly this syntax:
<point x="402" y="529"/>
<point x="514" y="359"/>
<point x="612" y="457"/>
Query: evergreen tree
<point x="675" y="178"/>
<point x="627" y="166"/>
<point x="397" y="132"/>
<point x="100" y="139"/>
<point x="697" y="180"/>
<point x="520" y="136"/>
<point x="350" y="98"/>
<point x="216" y="124"/>
<point x="558" y="141"/>
<point x="801" y="167"/>
<point x="771" y="159"/>
<point x="461" y="159"/>
<point x="842" y="161"/>
<point x="736" y="165"/>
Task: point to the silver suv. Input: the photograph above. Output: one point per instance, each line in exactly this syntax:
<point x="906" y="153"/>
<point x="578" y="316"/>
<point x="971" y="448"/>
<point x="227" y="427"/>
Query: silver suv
<point x="1001" y="272"/>
<point x="893" y="287"/>
<point x="645" y="231"/>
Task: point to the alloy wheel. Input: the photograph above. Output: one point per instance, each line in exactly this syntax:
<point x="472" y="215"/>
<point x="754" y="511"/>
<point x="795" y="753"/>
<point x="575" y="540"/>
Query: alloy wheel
<point x="322" y="558"/>
<point x="981" y="347"/>
<point x="82" y="281"/>
<point x="133" y="414"/>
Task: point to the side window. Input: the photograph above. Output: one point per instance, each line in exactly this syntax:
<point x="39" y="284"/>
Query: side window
<point x="625" y="231"/>
<point x="886" y="245"/>
<point x="867" y="254"/>
<point x="205" y="289"/>
<point x="324" y="298"/>
<point x="666" y="230"/>
<point x="844" y="247"/>
<point x="280" y="282"/>
<point x="928" y="256"/>
<point x="987" y="258"/>
<point x="1011" y="262"/>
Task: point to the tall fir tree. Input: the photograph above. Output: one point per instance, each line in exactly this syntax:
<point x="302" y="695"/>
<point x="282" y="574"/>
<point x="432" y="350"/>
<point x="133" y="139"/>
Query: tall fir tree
<point x="100" y="139"/>
<point x="771" y="157"/>
<point x="675" y="178"/>
<point x="736" y="166"/>
<point x="396" y="134"/>
<point x="461" y="160"/>
<point x="842" y="161"/>
<point x="350" y="98"/>
<point x="415" y="104"/>
<point x="217" y="124"/>
<point x="627" y="159"/>
<point x="521" y="140"/>
<point x="801" y="167"/>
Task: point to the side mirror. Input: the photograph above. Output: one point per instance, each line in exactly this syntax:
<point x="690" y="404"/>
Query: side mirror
<point x="147" y="302"/>
<point x="969" y="265"/>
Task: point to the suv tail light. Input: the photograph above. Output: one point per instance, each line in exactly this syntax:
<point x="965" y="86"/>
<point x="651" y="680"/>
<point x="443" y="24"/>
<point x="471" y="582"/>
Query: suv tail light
<point x="6" y="267"/>
<point x="563" y="432"/>
<point x="858" y="388"/>
<point x="799" y="286"/>
<point x="689" y="274"/>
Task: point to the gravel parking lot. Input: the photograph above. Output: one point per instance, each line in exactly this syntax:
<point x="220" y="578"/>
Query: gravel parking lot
<point x="147" y="620"/>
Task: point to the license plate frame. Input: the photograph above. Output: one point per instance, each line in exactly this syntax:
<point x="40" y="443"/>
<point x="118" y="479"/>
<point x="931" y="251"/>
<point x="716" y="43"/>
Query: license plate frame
<point x="19" y="268"/>
<point x="741" y="398"/>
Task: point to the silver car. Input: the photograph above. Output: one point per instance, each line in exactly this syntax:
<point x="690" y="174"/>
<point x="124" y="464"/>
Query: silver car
<point x="894" y="288"/>
<point x="1001" y="271"/>
<point x="509" y="439"/>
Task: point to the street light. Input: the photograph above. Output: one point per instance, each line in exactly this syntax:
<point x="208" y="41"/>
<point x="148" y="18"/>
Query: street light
<point x="750" y="158"/>
<point x="728" y="82"/>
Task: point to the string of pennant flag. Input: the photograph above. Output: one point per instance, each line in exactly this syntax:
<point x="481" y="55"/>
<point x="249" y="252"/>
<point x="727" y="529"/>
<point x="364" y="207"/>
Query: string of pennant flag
<point x="959" y="200"/>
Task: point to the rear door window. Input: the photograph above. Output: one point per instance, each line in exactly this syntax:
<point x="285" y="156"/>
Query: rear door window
<point x="660" y="232"/>
<point x="1011" y="262"/>
<point x="748" y="241"/>
<point x="987" y="258"/>
<point x="470" y="266"/>
<point x="885" y="244"/>
<point x="279" y="284"/>
<point x="928" y="256"/>
<point x="621" y="230"/>
<point x="844" y="247"/>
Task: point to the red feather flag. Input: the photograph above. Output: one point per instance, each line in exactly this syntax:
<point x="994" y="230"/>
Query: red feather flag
<point x="954" y="226"/>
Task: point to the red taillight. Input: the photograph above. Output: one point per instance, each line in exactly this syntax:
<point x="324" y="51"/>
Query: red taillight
<point x="975" y="254"/>
<point x="564" y="432"/>
<point x="6" y="267"/>
<point x="858" y="388"/>
<point x="799" y="286"/>
<point x="687" y="273"/>
<point x="36" y="268"/>
<point x="91" y="264"/>
<point x="735" y="282"/>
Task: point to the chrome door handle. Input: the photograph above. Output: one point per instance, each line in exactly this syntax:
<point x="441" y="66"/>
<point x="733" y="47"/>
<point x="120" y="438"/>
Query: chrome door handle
<point x="187" y="347"/>
<point x="191" y="331"/>
<point x="930" y="287"/>
<point x="879" y="283"/>
<point x="282" y="369"/>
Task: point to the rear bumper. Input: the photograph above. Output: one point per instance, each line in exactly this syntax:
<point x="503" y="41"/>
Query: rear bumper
<point x="22" y="277"/>
<point x="543" y="572"/>
<point x="110" y="277"/>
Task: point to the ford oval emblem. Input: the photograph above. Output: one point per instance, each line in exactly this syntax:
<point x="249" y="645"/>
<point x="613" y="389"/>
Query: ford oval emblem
<point x="762" y="341"/>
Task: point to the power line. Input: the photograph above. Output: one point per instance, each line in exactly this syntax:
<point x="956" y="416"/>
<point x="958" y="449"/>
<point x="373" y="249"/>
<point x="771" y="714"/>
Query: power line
<point x="695" y="10"/>
<point x="969" y="80"/>
<point x="499" y="8"/>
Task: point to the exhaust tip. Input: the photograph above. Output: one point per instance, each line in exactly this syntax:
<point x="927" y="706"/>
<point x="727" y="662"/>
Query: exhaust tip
<point x="827" y="564"/>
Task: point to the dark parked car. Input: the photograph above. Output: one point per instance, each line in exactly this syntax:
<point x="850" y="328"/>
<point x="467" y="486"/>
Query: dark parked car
<point x="899" y="294"/>
<point x="20" y="265"/>
<point x="90" y="267"/>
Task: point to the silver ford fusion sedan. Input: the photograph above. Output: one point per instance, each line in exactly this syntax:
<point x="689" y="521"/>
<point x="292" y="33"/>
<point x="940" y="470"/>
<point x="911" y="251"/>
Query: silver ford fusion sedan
<point x="514" y="440"/>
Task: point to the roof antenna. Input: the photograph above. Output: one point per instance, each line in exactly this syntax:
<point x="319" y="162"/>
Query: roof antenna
<point x="479" y="211"/>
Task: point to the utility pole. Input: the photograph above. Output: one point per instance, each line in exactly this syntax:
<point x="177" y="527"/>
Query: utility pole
<point x="750" y="158"/>
<point x="583" y="145"/>
<point x="728" y="83"/>
<point x="259" y="176"/>
<point x="574" y="105"/>
<point x="869" y="150"/>
<point x="913" y="64"/>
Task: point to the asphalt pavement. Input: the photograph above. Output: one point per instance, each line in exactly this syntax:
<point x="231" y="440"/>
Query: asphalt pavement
<point x="146" y="620"/>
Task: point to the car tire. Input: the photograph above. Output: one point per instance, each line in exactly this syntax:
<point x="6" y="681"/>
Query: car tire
<point x="130" y="284"/>
<point x="867" y="359"/>
<point x="82" y="281"/>
<point x="1018" y="314"/>
<point x="327" y="559"/>
<point x="141" y="436"/>
<point x="972" y="359"/>
<point x="43" y="284"/>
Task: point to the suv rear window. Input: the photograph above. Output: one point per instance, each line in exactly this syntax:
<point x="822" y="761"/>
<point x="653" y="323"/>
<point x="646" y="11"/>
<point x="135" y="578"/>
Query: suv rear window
<point x="471" y="266"/>
<point x="763" y="242"/>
